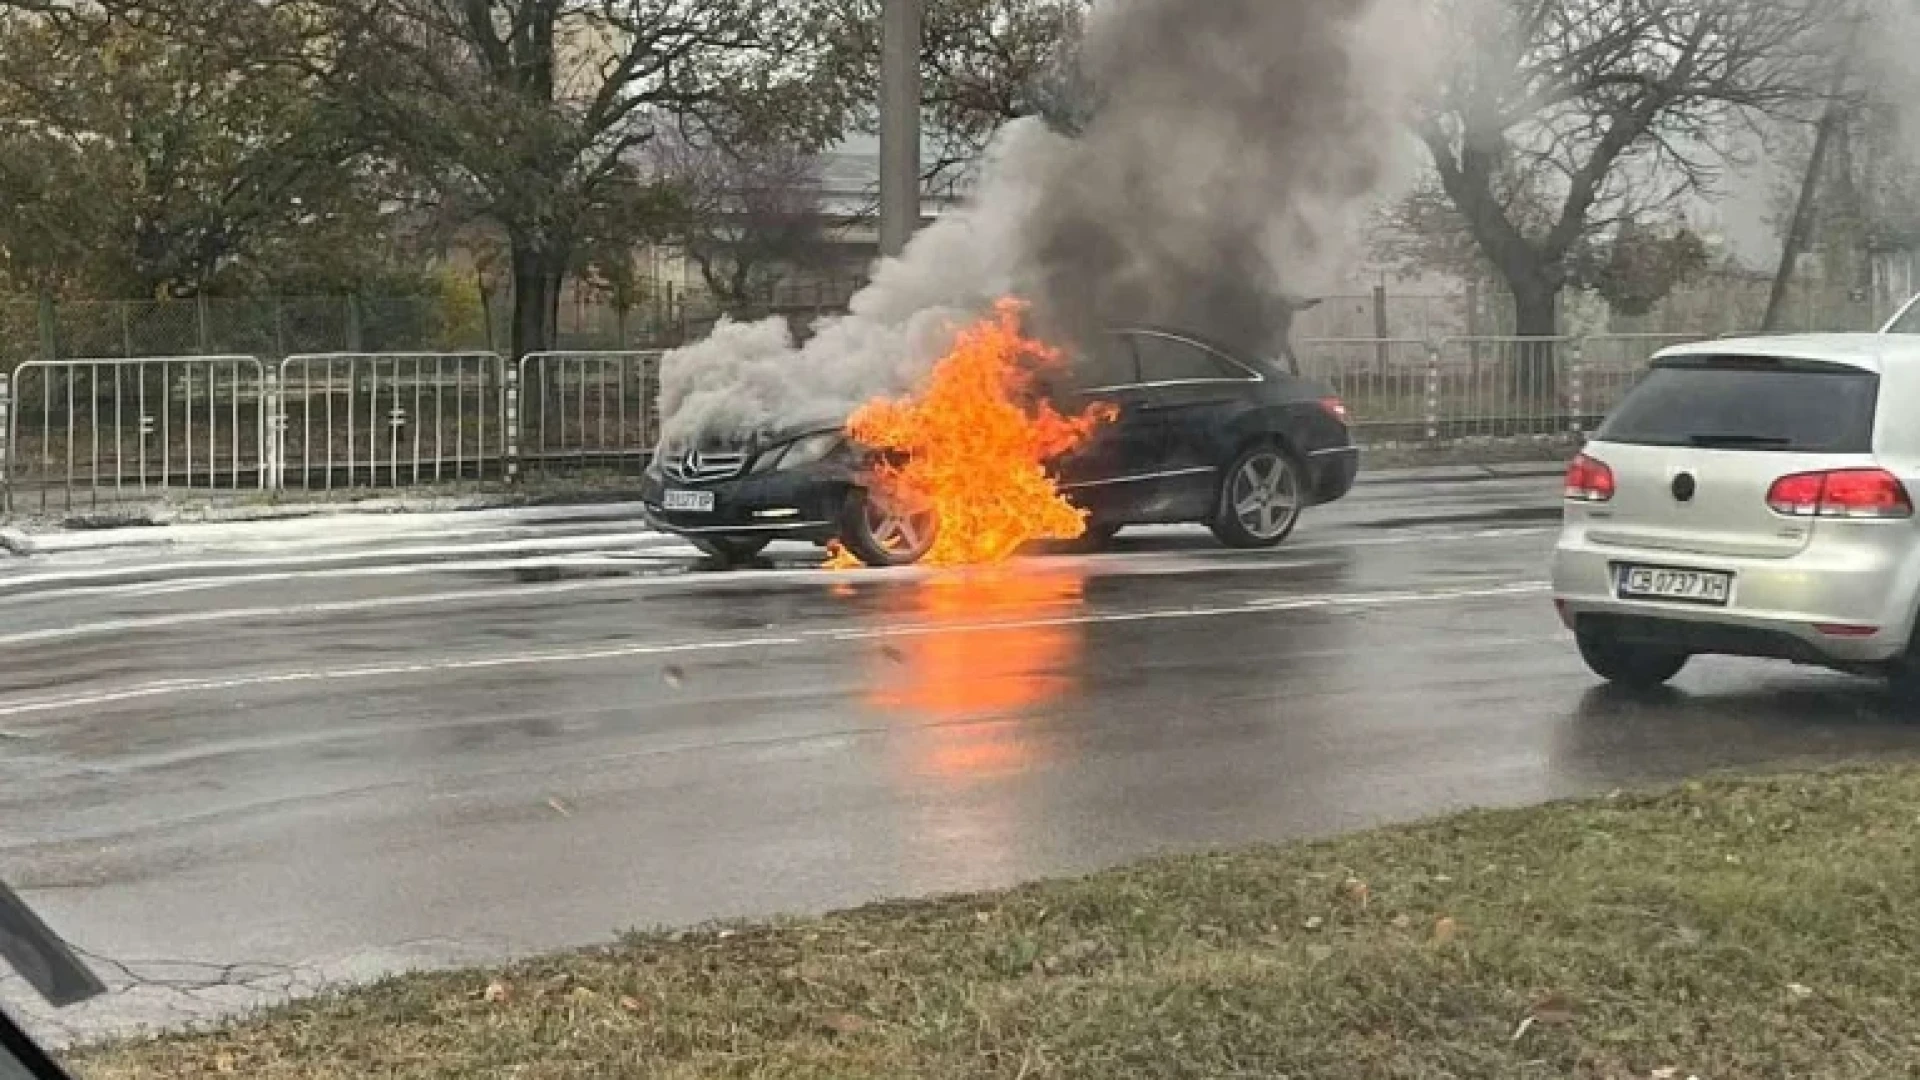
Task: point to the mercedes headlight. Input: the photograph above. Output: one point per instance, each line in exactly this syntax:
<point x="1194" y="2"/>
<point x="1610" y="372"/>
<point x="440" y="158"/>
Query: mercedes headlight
<point x="801" y="452"/>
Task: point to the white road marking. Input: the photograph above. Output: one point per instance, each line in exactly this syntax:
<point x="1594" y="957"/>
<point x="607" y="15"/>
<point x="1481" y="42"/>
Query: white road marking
<point x="1335" y="601"/>
<point x="1163" y="562"/>
<point x="636" y="540"/>
<point x="1141" y="561"/>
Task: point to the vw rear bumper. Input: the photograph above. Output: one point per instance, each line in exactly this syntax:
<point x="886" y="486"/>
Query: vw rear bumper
<point x="1841" y="605"/>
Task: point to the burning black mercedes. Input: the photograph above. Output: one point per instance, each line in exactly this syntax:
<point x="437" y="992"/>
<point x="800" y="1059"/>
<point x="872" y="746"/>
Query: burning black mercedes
<point x="1204" y="434"/>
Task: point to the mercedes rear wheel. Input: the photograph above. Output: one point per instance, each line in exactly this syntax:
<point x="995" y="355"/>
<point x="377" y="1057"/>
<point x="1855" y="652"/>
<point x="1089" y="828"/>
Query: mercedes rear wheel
<point x="1261" y="499"/>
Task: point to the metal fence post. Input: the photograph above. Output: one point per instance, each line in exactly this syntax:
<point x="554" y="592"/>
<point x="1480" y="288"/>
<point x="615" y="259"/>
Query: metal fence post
<point x="49" y="329"/>
<point x="513" y="419"/>
<point x="6" y="443"/>
<point x="1433" y="391"/>
<point x="1576" y="384"/>
<point x="204" y="332"/>
<point x="273" y="429"/>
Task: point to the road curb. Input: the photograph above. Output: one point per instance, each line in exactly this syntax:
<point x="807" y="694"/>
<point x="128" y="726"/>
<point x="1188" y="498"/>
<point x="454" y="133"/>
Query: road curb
<point x="164" y="513"/>
<point x="1462" y="474"/>
<point x="536" y="559"/>
<point x="121" y="534"/>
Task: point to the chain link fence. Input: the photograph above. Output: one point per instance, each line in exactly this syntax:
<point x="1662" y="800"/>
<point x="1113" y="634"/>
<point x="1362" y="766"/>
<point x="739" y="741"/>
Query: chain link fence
<point x="271" y="328"/>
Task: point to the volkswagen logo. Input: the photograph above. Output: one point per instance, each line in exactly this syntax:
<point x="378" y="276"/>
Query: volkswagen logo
<point x="1684" y="486"/>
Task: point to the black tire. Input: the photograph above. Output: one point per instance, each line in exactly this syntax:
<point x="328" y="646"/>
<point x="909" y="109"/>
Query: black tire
<point x="1624" y="664"/>
<point x="866" y="531"/>
<point x="1259" y="507"/>
<point x="730" y="550"/>
<point x="1903" y="686"/>
<point x="1903" y="677"/>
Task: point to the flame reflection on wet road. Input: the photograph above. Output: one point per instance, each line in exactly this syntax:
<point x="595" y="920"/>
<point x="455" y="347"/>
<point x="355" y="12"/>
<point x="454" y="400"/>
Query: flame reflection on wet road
<point x="951" y="669"/>
<point x="970" y="691"/>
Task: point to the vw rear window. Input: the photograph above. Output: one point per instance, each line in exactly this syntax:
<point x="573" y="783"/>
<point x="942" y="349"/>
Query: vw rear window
<point x="1749" y="404"/>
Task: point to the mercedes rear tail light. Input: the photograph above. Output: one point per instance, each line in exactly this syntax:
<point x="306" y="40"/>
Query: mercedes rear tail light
<point x="1589" y="480"/>
<point x="1841" y="493"/>
<point x="1336" y="407"/>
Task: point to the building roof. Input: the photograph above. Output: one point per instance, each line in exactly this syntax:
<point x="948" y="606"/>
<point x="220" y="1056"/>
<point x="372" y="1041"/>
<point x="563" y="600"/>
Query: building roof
<point x="850" y="183"/>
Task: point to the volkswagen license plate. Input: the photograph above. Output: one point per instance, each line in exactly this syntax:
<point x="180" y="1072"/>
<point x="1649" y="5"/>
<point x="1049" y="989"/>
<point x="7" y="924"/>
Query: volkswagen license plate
<point x="688" y="502"/>
<point x="1710" y="587"/>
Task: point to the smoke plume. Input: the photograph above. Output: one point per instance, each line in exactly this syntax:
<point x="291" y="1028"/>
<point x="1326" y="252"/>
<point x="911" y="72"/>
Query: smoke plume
<point x="1235" y="146"/>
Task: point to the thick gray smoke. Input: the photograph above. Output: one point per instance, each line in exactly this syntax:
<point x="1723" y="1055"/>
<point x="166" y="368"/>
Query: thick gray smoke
<point x="1235" y="147"/>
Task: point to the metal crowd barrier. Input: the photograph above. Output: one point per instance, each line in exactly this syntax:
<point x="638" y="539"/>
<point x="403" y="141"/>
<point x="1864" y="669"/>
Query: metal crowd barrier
<point x="93" y="430"/>
<point x="588" y="409"/>
<point x="88" y="431"/>
<point x="390" y="419"/>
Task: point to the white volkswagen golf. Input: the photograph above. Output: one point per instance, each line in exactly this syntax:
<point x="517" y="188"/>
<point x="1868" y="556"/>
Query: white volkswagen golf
<point x="1751" y="497"/>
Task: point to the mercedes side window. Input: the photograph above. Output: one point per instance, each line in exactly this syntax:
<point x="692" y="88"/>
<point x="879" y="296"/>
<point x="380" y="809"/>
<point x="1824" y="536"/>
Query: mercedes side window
<point x="1109" y="363"/>
<point x="1165" y="359"/>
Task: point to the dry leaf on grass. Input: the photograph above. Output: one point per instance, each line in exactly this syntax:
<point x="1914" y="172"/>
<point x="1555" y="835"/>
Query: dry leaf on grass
<point x="844" y="1023"/>
<point x="633" y="1004"/>
<point x="1445" y="929"/>
<point x="1552" y="1009"/>
<point x="497" y="992"/>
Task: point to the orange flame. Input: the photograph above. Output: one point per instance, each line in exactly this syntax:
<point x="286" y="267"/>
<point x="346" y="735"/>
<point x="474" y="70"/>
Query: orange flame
<point x="975" y="444"/>
<point x="839" y="558"/>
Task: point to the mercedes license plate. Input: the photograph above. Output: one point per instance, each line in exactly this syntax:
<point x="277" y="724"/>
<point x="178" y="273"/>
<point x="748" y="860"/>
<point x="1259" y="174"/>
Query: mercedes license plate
<point x="688" y="502"/>
<point x="1710" y="587"/>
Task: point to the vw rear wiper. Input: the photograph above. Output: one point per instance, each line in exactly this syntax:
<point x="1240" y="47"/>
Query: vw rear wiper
<point x="1731" y="439"/>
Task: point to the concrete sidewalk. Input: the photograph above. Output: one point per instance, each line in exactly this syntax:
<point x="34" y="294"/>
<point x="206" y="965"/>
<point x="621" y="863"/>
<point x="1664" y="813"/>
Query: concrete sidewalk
<point x="344" y="525"/>
<point x="580" y="539"/>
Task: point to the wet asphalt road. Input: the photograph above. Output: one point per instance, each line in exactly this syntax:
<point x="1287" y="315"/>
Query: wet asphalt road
<point x="288" y="766"/>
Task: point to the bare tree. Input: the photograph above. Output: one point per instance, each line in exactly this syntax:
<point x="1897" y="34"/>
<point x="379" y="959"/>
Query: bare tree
<point x="531" y="113"/>
<point x="1573" y="118"/>
<point x="750" y="217"/>
<point x="984" y="62"/>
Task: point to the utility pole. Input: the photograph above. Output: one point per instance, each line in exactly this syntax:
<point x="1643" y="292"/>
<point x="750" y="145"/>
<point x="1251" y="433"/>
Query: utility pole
<point x="899" y="123"/>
